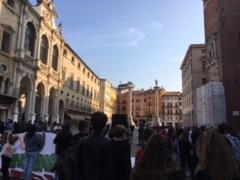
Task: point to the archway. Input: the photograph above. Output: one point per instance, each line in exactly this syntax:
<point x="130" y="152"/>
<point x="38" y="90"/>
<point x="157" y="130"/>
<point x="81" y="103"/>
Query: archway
<point x="24" y="98"/>
<point x="61" y="111"/>
<point x="51" y="105"/>
<point x="40" y="94"/>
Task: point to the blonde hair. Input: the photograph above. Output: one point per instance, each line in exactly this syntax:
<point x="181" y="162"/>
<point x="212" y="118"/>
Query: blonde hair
<point x="216" y="156"/>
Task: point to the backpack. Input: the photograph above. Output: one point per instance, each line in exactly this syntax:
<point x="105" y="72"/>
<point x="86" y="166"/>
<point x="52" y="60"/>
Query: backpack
<point x="235" y="146"/>
<point x="67" y="165"/>
<point x="8" y="149"/>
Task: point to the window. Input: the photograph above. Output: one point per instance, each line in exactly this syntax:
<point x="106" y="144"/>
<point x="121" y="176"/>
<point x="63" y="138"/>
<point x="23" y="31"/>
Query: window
<point x="29" y="42"/>
<point x="79" y="65"/>
<point x="203" y="66"/>
<point x="65" y="52"/>
<point x="63" y="75"/>
<point x="84" y="70"/>
<point x="71" y="82"/>
<point x="55" y="58"/>
<point x="44" y="50"/>
<point x="6" y="39"/>
<point x="88" y="74"/>
<point x="204" y="81"/>
<point x="10" y="3"/>
<point x="73" y="60"/>
<point x="78" y="85"/>
<point x="83" y="89"/>
<point x="203" y="51"/>
<point x="87" y="94"/>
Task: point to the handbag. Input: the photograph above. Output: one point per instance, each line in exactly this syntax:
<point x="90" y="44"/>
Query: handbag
<point x="8" y="149"/>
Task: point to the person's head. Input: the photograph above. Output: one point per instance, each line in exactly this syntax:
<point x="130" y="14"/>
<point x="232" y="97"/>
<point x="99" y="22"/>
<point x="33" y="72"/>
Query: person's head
<point x="216" y="156"/>
<point x="147" y="133"/>
<point x="31" y="130"/>
<point x="66" y="128"/>
<point x="184" y="136"/>
<point x="224" y="128"/>
<point x="119" y="132"/>
<point x="98" y="121"/>
<point x="10" y="121"/>
<point x="83" y="126"/>
<point x="157" y="156"/>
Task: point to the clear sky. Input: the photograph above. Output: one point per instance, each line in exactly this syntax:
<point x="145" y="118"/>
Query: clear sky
<point x="133" y="40"/>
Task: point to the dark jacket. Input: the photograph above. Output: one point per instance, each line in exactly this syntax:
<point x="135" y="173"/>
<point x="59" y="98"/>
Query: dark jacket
<point x="94" y="154"/>
<point x="121" y="160"/>
<point x="168" y="175"/>
<point x="77" y="137"/>
<point x="203" y="175"/>
<point x="63" y="142"/>
<point x="35" y="143"/>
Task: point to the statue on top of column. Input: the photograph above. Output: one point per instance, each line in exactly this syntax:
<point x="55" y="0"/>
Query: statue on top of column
<point x="156" y="82"/>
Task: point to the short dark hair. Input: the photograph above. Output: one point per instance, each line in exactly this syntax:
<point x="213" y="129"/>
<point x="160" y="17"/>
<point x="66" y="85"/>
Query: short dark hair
<point x="98" y="121"/>
<point x="119" y="130"/>
<point x="83" y="125"/>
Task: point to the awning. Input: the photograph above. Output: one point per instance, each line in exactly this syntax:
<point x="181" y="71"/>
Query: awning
<point x="4" y="99"/>
<point x="77" y="117"/>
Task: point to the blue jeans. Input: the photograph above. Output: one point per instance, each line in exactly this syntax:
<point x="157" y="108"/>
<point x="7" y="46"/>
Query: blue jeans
<point x="29" y="164"/>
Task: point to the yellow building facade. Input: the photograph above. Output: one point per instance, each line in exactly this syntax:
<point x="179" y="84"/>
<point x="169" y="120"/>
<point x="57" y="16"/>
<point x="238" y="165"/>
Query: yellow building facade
<point x="41" y="76"/>
<point x="108" y="99"/>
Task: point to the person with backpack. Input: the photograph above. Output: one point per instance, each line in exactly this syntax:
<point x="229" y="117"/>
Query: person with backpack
<point x="63" y="140"/>
<point x="67" y="165"/>
<point x="8" y="150"/>
<point x="34" y="143"/>
<point x="95" y="152"/>
<point x="216" y="159"/>
<point x="121" y="158"/>
<point x="83" y="131"/>
<point x="234" y="142"/>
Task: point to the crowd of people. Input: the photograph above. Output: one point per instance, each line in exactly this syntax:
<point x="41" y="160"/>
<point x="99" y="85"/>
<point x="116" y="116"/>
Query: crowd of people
<point x="100" y="152"/>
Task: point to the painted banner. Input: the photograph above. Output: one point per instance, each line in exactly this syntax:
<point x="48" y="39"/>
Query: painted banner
<point x="44" y="164"/>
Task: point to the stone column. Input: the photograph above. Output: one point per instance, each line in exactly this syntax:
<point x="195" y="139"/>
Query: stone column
<point x="45" y="106"/>
<point x="56" y="107"/>
<point x="22" y="32"/>
<point x="157" y="118"/>
<point x="31" y="105"/>
<point x="130" y="117"/>
<point x="16" y="111"/>
<point x="33" y="102"/>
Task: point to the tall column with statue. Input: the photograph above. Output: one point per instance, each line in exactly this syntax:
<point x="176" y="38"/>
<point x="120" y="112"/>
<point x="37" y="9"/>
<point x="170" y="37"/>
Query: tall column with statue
<point x="130" y="86"/>
<point x="157" y="117"/>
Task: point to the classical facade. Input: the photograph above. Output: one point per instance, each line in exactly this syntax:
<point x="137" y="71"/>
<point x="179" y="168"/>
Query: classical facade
<point x="223" y="52"/>
<point x="108" y="99"/>
<point x="41" y="76"/>
<point x="172" y="109"/>
<point x="194" y="75"/>
<point x="20" y="25"/>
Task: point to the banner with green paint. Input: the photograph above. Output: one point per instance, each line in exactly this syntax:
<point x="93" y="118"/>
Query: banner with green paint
<point x="45" y="163"/>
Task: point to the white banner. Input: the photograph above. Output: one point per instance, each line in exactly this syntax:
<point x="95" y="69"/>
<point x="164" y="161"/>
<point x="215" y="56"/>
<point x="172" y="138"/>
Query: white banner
<point x="45" y="162"/>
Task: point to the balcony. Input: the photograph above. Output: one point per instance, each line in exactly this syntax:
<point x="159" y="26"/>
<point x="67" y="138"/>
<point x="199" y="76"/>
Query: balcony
<point x="78" y="108"/>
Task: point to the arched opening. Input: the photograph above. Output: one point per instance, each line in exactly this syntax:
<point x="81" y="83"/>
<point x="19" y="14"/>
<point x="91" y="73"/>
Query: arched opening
<point x="40" y="94"/>
<point x="24" y="97"/>
<point x="55" y="58"/>
<point x="51" y="105"/>
<point x="1" y="84"/>
<point x="44" y="50"/>
<point x="61" y="111"/>
<point x="7" y="86"/>
<point x="29" y="43"/>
